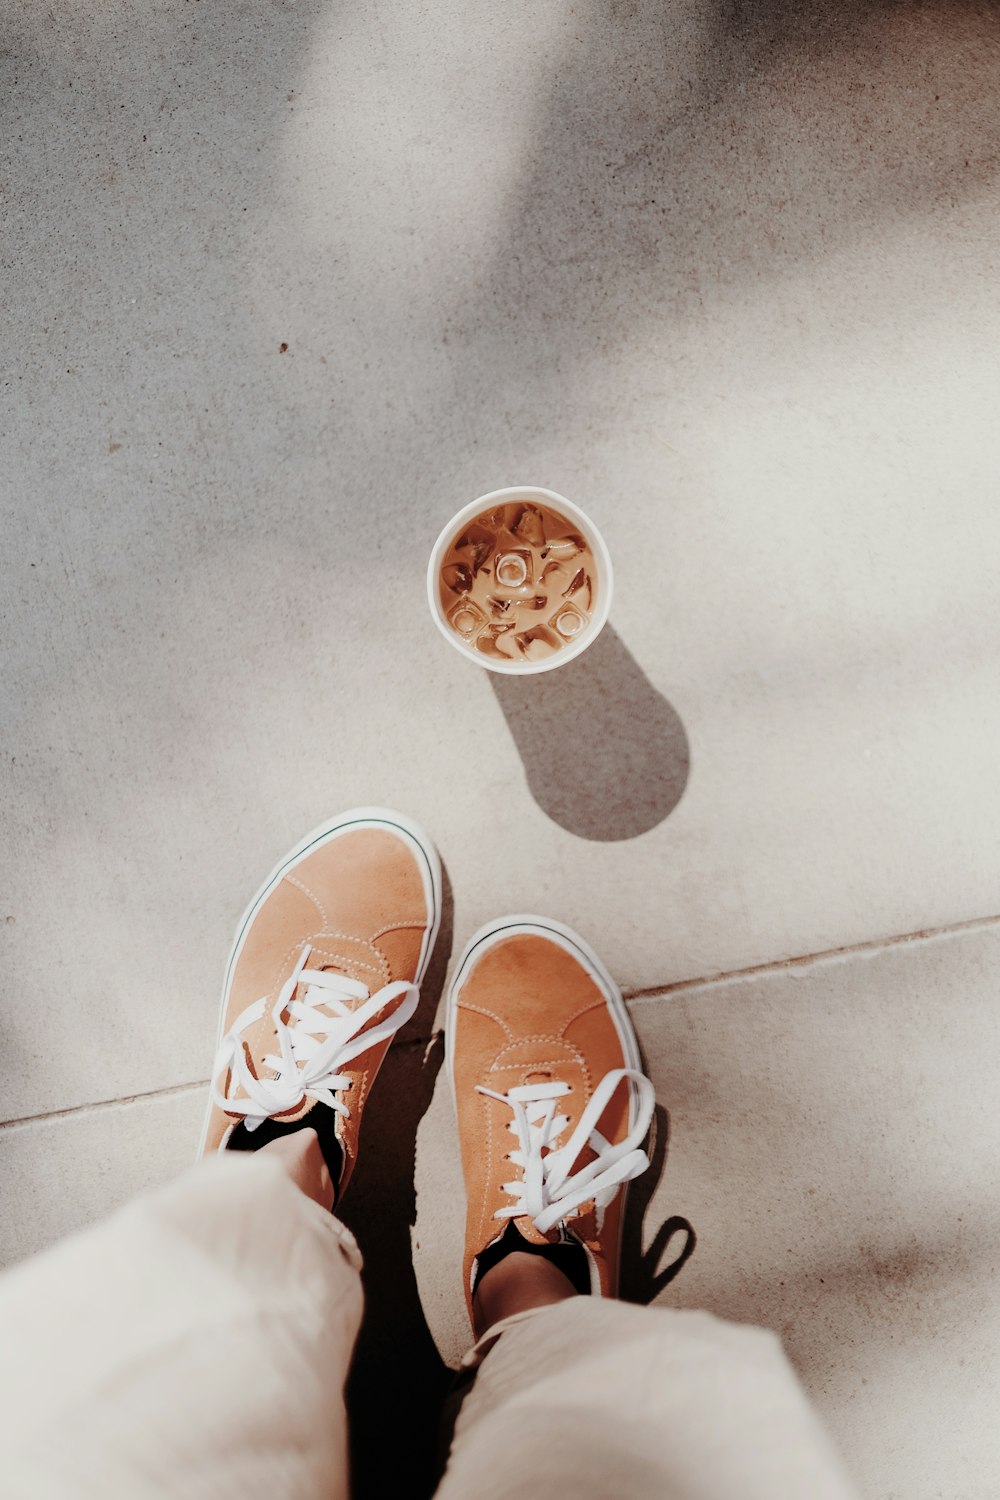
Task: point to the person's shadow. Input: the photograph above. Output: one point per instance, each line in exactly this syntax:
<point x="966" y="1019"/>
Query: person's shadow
<point x="605" y="754"/>
<point x="398" y="1379"/>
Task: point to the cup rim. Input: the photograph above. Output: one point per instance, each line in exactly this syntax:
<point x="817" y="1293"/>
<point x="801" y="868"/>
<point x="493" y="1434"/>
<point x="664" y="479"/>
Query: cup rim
<point x="598" y="546"/>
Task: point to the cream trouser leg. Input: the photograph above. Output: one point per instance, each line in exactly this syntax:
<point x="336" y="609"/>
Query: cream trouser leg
<point x="196" y="1344"/>
<point x="604" y="1401"/>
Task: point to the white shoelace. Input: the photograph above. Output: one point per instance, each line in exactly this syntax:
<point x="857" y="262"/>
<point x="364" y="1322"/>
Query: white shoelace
<point x="314" y="1049"/>
<point x="546" y="1190"/>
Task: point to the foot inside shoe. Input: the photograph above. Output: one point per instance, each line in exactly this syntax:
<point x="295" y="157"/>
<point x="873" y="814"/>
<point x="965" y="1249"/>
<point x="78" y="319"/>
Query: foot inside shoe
<point x="566" y="1255"/>
<point x="320" y="1119"/>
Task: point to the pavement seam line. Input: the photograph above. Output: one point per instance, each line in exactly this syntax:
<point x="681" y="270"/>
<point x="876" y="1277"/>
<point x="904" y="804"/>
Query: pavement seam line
<point x="170" y="1091"/>
<point x="653" y="992"/>
<point x="101" y="1104"/>
<point x="805" y="960"/>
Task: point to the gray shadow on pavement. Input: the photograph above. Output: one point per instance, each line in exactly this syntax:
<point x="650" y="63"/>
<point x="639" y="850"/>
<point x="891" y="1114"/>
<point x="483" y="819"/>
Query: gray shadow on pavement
<point x="645" y="1272"/>
<point x="398" y="1379"/>
<point x="605" y="754"/>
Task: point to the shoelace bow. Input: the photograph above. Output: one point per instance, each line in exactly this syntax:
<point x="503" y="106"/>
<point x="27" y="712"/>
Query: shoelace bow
<point x="548" y="1189"/>
<point x="327" y="1033"/>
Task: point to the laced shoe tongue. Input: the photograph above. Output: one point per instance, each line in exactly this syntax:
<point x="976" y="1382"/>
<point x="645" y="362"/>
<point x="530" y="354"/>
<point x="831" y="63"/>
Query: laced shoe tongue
<point x="329" y="1003"/>
<point x="339" y="963"/>
<point x="319" y="1000"/>
<point x="553" y="1182"/>
<point x="525" y="1227"/>
<point x="311" y="1045"/>
<point x="347" y="970"/>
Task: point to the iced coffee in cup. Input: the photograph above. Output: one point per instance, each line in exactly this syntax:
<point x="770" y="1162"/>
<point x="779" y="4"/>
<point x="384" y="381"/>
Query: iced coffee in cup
<point x="520" y="581"/>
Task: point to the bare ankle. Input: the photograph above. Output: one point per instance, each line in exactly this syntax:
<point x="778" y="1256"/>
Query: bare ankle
<point x="302" y="1159"/>
<point x="516" y="1284"/>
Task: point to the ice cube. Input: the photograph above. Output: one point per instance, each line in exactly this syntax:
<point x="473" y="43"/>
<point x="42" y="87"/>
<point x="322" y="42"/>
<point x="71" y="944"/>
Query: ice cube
<point x="467" y="618"/>
<point x="569" y="622"/>
<point x="513" y="569"/>
<point x="457" y="577"/>
<point x="564" y="547"/>
<point x="554" y="574"/>
<point x="528" y="526"/>
<point x="477" y="542"/>
<point x="497" y="640"/>
<point x="537" y="642"/>
<point x="580" y="589"/>
<point x="498" y="607"/>
<point x="499" y="519"/>
<point x="475" y="534"/>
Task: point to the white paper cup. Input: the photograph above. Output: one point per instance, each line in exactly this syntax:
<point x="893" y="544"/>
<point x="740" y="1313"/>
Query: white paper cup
<point x="603" y="580"/>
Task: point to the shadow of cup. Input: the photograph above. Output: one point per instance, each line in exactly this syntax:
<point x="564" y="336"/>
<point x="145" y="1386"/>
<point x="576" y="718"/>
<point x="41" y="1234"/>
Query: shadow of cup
<point x="605" y="754"/>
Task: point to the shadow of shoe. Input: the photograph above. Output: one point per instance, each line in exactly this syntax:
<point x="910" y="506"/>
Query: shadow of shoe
<point x="605" y="754"/>
<point x="398" y="1380"/>
<point x="643" y="1277"/>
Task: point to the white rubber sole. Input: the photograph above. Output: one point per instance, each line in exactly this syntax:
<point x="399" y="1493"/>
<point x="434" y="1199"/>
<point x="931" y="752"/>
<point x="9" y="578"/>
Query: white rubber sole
<point x="428" y="862"/>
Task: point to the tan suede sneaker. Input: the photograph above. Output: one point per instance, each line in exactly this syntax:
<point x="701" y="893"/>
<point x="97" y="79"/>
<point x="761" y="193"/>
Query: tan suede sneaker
<point x="323" y="972"/>
<point x="552" y="1103"/>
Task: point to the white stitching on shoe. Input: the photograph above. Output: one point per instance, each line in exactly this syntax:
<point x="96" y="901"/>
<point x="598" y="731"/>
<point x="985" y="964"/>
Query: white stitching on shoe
<point x="480" y="1010"/>
<point x="496" y="1066"/>
<point x="288" y="962"/>
<point x="403" y="923"/>
<point x="345" y="937"/>
<point x="548" y="1062"/>
<point x="364" y="1089"/>
<point x="293" y="880"/>
<point x="485" y="1217"/>
<point x="600" y="1004"/>
<point x="310" y="939"/>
